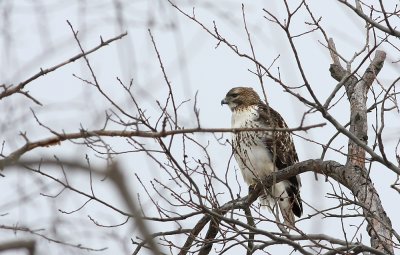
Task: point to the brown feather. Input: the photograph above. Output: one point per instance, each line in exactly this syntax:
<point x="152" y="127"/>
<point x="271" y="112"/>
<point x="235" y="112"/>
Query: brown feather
<point x="282" y="148"/>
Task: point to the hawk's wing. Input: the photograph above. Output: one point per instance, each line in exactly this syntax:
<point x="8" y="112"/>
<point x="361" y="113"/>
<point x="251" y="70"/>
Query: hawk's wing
<point x="282" y="149"/>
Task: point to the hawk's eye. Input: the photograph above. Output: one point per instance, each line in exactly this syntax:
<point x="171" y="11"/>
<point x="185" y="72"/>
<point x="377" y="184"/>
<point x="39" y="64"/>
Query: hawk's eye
<point x="234" y="95"/>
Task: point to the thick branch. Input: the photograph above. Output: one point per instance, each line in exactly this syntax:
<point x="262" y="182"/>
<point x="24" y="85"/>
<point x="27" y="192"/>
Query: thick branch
<point x="192" y="236"/>
<point x="211" y="234"/>
<point x="250" y="222"/>
<point x="357" y="91"/>
<point x="358" y="107"/>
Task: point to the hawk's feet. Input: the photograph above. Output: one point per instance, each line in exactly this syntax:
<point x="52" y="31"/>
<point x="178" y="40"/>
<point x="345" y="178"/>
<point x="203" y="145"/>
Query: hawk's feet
<point x="251" y="188"/>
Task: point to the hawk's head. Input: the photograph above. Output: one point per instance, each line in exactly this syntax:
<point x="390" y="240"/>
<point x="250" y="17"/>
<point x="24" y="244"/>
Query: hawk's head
<point x="240" y="97"/>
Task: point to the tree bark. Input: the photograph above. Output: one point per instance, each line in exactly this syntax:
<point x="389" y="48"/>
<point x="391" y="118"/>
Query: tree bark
<point x="379" y="224"/>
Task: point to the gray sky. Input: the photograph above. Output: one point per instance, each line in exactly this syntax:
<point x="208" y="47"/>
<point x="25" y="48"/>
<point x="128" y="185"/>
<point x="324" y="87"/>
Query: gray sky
<point x="37" y="36"/>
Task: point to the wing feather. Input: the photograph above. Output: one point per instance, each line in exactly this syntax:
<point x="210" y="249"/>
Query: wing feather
<point x="281" y="146"/>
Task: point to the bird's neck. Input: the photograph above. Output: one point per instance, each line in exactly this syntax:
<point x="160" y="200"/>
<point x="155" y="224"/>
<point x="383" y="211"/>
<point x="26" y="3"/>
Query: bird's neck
<point x="243" y="115"/>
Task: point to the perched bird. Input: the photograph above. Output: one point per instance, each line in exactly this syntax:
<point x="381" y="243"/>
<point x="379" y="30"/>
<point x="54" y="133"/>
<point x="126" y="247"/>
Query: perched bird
<point x="260" y="153"/>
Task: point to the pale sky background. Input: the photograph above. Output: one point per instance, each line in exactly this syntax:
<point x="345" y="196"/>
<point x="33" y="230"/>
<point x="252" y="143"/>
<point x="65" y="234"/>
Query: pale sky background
<point x="35" y="35"/>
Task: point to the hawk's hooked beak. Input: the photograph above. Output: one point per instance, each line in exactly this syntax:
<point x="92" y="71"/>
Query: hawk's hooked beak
<point x="223" y="101"/>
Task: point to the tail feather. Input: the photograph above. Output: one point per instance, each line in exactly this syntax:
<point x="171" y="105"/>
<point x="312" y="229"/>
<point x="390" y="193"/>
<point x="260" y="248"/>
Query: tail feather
<point x="289" y="201"/>
<point x="297" y="206"/>
<point x="287" y="211"/>
<point x="293" y="194"/>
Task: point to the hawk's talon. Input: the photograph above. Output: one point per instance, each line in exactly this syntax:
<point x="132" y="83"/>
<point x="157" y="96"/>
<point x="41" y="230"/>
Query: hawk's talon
<point x="251" y="188"/>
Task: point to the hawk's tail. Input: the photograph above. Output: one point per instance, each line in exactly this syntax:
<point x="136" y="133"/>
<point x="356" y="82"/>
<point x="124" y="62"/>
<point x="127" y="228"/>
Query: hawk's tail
<point x="289" y="201"/>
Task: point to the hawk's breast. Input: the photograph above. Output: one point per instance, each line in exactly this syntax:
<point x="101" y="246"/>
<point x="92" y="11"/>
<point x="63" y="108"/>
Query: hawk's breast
<point x="251" y="153"/>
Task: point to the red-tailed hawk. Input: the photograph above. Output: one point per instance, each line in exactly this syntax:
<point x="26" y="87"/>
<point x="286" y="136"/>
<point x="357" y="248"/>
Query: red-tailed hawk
<point x="260" y="153"/>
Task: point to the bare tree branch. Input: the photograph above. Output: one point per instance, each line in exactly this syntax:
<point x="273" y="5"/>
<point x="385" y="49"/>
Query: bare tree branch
<point x="18" y="88"/>
<point x="56" y="140"/>
<point x="359" y="12"/>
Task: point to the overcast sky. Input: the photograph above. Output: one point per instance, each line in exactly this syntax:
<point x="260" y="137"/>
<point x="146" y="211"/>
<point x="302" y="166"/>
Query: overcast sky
<point x="36" y="35"/>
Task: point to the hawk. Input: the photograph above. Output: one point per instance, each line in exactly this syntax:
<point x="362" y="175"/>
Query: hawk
<point x="260" y="153"/>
